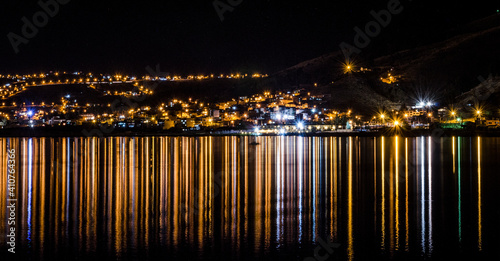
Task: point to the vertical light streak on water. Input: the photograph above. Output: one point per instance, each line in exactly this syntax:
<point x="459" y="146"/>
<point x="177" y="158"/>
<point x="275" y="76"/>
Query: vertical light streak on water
<point x="284" y="179"/>
<point x="459" y="192"/>
<point x="268" y="177"/>
<point x="330" y="174"/>
<point x="279" y="186"/>
<point x="176" y="192"/>
<point x="390" y="179"/>
<point x="383" y="195"/>
<point x="225" y="199"/>
<point x="235" y="192"/>
<point x="258" y="195"/>
<point x="422" y="195"/>
<point x="429" y="200"/>
<point x="30" y="186"/>
<point x="350" y="245"/>
<point x="453" y="152"/>
<point x="327" y="176"/>
<point x="67" y="179"/>
<point x="246" y="186"/>
<point x="335" y="188"/>
<point x="300" y="157"/>
<point x="162" y="190"/>
<point x="211" y="181"/>
<point x="133" y="191"/>
<point x="200" y="155"/>
<point x="314" y="187"/>
<point x="479" y="210"/>
<point x="397" y="193"/>
<point x="122" y="243"/>
<point x="149" y="193"/>
<point x="239" y="199"/>
<point x="407" y="230"/>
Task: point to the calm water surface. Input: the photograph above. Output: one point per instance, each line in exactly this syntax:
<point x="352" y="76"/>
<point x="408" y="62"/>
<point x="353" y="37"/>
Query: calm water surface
<point x="286" y="198"/>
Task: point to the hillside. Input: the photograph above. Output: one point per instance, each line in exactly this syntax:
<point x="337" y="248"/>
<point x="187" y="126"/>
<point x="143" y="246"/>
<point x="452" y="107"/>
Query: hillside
<point x="444" y="72"/>
<point x="439" y="72"/>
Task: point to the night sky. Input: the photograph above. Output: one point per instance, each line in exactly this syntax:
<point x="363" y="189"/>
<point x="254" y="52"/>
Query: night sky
<point x="188" y="36"/>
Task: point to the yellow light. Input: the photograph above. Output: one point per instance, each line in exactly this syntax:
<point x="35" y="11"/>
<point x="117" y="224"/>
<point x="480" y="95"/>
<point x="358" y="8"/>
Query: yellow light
<point x="348" y="66"/>
<point x="396" y="123"/>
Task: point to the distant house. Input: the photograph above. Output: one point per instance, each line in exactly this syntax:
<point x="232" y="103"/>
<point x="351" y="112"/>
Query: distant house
<point x="57" y="121"/>
<point x="492" y="123"/>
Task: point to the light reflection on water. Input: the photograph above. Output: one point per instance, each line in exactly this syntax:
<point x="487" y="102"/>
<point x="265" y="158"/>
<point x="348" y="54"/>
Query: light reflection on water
<point x="203" y="197"/>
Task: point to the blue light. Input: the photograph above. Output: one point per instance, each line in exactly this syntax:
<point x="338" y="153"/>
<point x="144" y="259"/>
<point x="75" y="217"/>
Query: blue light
<point x="278" y="116"/>
<point x="300" y="125"/>
<point x="30" y="113"/>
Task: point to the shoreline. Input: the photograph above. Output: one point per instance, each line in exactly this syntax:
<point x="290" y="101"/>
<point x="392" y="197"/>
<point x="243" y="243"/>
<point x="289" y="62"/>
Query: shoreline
<point x="73" y="131"/>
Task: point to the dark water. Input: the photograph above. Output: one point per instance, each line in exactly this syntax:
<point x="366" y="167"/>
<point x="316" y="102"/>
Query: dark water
<point x="288" y="198"/>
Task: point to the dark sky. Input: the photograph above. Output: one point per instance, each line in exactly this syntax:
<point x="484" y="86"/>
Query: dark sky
<point x="188" y="36"/>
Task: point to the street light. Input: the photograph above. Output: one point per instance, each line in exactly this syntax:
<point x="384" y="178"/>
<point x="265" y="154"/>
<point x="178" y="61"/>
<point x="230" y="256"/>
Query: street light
<point x="348" y="67"/>
<point x="300" y="125"/>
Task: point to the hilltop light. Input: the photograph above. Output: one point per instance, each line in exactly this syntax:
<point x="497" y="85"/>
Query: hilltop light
<point x="348" y="67"/>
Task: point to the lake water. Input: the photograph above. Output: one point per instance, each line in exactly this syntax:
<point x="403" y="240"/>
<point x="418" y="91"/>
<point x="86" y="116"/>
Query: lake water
<point x="287" y="198"/>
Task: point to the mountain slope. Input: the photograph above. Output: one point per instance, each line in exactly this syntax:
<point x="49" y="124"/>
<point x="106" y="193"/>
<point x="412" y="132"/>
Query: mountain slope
<point x="440" y="71"/>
